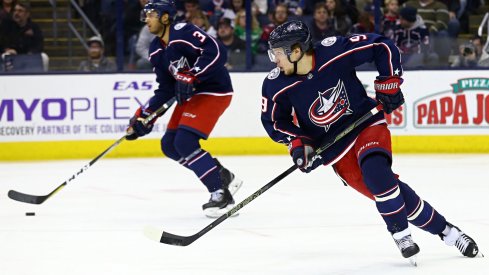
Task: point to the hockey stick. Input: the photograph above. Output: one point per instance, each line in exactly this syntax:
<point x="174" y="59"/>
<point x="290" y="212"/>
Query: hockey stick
<point x="178" y="240"/>
<point x="35" y="199"/>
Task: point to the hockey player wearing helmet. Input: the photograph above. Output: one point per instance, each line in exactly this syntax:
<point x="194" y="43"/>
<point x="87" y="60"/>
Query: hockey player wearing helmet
<point x="318" y="84"/>
<point x="189" y="65"/>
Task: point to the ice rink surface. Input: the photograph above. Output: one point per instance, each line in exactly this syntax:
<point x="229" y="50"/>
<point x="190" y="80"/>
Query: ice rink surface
<point x="306" y="224"/>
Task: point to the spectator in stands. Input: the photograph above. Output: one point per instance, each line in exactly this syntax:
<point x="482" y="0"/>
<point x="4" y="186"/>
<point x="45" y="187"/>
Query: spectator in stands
<point x="412" y="38"/>
<point x="7" y="9"/>
<point x="6" y="20"/>
<point x="338" y="19"/>
<point x="433" y="12"/>
<point x="436" y="18"/>
<point x="24" y="36"/>
<point x="365" y="23"/>
<point x="235" y="7"/>
<point x="240" y="28"/>
<point x="350" y="8"/>
<point x="296" y="7"/>
<point x="471" y="55"/>
<point x="391" y="15"/>
<point x="190" y="7"/>
<point x="467" y="56"/>
<point x="142" y="49"/>
<point x="132" y="28"/>
<point x="131" y="19"/>
<point x="199" y="18"/>
<point x="261" y="6"/>
<point x="482" y="51"/>
<point x="454" y="8"/>
<point x="96" y="60"/>
<point x="367" y="5"/>
<point x="209" y="7"/>
<point x="320" y="27"/>
<point x="236" y="46"/>
<point x="214" y="10"/>
<point x="279" y="16"/>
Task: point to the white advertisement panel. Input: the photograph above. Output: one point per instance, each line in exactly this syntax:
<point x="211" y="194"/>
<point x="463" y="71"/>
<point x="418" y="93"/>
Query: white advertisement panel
<point x="98" y="107"/>
<point x="71" y="107"/>
<point x="440" y="103"/>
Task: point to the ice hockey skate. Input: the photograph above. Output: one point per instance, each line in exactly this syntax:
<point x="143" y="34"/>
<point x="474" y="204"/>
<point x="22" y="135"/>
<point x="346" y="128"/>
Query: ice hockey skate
<point x="465" y="244"/>
<point x="229" y="180"/>
<point x="406" y="245"/>
<point x="220" y="202"/>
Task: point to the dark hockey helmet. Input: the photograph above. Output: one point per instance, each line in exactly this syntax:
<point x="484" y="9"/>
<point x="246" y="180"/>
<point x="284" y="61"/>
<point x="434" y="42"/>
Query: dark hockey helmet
<point x="289" y="34"/>
<point x="161" y="7"/>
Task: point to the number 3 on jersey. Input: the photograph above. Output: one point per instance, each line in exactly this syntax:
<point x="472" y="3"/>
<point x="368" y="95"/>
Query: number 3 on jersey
<point x="199" y="36"/>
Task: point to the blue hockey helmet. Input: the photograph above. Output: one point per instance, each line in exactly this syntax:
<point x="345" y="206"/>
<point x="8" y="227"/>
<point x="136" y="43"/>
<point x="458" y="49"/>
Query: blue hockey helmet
<point x="289" y="34"/>
<point x="161" y="7"/>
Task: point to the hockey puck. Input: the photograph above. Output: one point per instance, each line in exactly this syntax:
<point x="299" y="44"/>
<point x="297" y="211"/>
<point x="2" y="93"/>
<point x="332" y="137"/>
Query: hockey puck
<point x="30" y="214"/>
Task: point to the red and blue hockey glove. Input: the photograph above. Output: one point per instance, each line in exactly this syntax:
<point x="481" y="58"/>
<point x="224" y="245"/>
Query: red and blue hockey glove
<point x="303" y="155"/>
<point x="388" y="92"/>
<point x="137" y="128"/>
<point x="184" y="88"/>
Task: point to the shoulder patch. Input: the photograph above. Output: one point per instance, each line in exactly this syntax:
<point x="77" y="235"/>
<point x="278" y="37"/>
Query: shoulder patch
<point x="328" y="41"/>
<point x="179" y="26"/>
<point x="274" y="73"/>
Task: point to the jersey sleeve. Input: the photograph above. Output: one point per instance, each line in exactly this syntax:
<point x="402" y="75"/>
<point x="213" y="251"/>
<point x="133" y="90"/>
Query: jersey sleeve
<point x="164" y="92"/>
<point x="211" y="56"/>
<point x="276" y="116"/>
<point x="370" y="47"/>
<point x="166" y="82"/>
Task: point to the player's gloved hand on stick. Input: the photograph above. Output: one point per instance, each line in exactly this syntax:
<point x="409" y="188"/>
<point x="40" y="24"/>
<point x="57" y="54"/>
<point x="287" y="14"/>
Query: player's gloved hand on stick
<point x="136" y="126"/>
<point x="184" y="88"/>
<point x="388" y="92"/>
<point x="303" y="155"/>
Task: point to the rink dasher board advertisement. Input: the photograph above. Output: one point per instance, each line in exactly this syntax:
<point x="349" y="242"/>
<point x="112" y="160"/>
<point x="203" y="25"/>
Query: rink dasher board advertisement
<point x="68" y="108"/>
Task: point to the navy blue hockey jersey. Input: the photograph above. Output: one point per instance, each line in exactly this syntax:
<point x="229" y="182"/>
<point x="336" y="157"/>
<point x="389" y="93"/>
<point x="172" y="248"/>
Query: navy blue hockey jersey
<point x="330" y="97"/>
<point x="191" y="49"/>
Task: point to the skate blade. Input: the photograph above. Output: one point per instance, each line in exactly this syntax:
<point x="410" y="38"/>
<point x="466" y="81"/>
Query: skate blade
<point x="235" y="185"/>
<point x="215" y="212"/>
<point x="413" y="260"/>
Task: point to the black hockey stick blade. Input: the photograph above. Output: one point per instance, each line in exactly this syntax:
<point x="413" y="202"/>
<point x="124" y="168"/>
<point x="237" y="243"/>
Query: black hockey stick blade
<point x="32" y="199"/>
<point x="173" y="239"/>
<point x="38" y="199"/>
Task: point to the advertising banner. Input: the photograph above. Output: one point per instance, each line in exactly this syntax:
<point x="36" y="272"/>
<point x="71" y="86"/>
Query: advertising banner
<point x="71" y="107"/>
<point x="439" y="103"/>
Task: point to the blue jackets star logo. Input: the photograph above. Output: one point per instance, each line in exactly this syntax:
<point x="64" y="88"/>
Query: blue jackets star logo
<point x="330" y="106"/>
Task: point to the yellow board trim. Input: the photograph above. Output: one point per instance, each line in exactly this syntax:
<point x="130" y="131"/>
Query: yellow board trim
<point x="14" y="151"/>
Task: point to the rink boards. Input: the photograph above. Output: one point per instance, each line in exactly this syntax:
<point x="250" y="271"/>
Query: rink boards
<point x="78" y="116"/>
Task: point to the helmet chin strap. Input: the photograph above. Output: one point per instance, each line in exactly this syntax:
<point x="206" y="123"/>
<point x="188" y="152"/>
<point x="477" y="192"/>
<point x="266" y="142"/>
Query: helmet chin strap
<point x="295" y="62"/>
<point x="164" y="28"/>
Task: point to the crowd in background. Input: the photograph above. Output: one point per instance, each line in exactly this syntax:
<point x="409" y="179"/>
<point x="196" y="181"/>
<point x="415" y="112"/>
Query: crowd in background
<point x="20" y="37"/>
<point x="426" y="31"/>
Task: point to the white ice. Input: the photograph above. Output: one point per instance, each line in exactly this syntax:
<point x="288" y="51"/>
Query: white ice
<point x="305" y="224"/>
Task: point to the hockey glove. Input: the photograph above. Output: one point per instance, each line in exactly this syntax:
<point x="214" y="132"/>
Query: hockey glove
<point x="136" y="126"/>
<point x="388" y="92"/>
<point x="303" y="155"/>
<point x="184" y="88"/>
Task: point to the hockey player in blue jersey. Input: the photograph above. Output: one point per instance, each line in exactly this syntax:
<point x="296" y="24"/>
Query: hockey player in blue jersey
<point x="314" y="94"/>
<point x="189" y="65"/>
